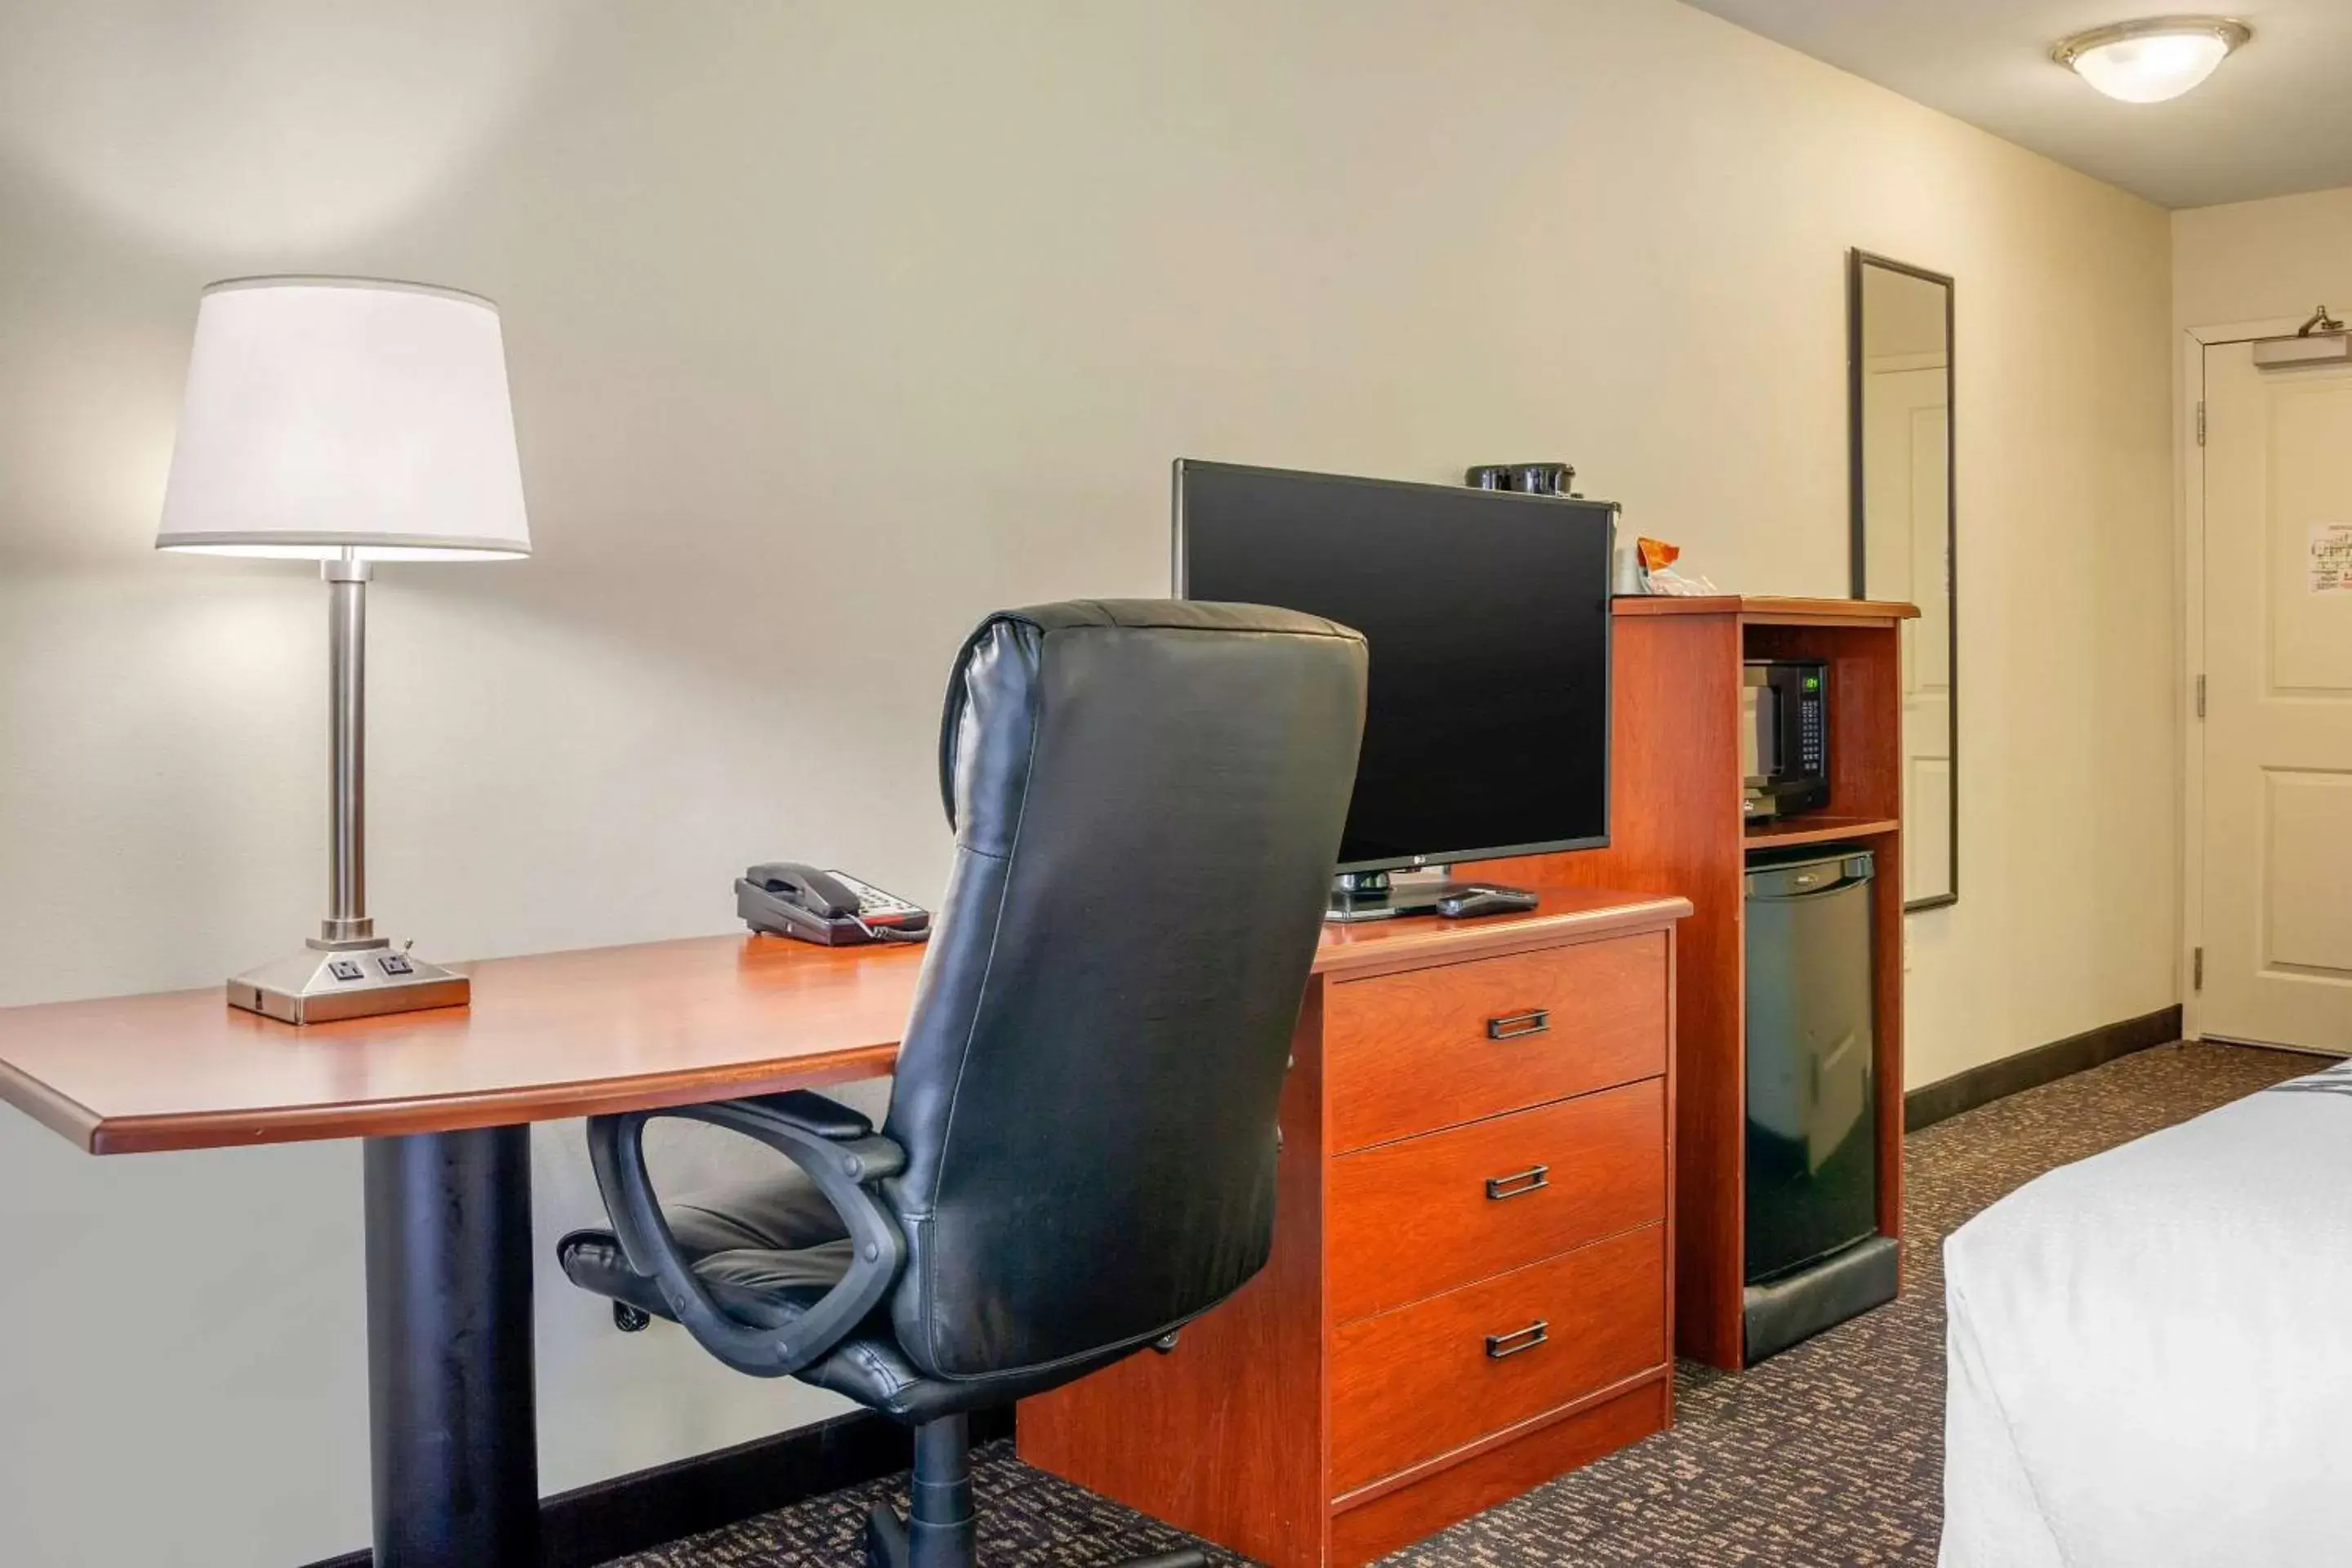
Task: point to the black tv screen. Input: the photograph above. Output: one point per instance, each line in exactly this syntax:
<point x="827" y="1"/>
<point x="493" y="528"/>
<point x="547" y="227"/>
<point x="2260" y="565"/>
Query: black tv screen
<point x="1486" y="731"/>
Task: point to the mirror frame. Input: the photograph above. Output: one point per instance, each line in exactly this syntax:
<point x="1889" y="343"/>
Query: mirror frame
<point x="1858" y="508"/>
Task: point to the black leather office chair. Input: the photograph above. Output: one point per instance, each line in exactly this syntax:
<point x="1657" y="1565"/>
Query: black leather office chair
<point x="1079" y="1154"/>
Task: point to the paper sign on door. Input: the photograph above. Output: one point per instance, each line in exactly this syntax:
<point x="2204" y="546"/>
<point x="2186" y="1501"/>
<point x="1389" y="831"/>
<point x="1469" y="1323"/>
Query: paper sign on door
<point x="2331" y="557"/>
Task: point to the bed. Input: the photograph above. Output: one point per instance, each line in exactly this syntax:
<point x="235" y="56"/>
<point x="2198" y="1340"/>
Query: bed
<point x="2150" y="1352"/>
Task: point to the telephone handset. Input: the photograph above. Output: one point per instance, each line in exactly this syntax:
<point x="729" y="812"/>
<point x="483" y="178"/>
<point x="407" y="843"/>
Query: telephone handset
<point x="834" y="909"/>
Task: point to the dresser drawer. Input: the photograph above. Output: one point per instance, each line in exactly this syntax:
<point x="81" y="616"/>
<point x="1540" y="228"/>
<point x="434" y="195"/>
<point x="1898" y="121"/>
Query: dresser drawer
<point x="1421" y="1381"/>
<point x="1411" y="1384"/>
<point x="1411" y="1219"/>
<point x="1434" y="1047"/>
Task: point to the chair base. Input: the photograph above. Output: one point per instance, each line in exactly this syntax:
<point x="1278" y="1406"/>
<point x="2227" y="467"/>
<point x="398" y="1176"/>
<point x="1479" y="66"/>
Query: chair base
<point x="938" y="1533"/>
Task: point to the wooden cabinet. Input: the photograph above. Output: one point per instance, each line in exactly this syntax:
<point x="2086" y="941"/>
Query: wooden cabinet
<point x="1675" y="825"/>
<point x="1471" y="1289"/>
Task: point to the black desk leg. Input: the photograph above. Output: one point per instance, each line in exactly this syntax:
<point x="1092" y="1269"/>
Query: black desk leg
<point x="450" y="1385"/>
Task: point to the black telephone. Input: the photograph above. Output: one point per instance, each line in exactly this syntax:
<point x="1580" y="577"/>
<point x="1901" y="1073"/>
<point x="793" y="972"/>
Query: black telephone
<point x="830" y="908"/>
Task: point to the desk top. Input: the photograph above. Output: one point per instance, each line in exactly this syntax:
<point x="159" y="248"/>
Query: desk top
<point x="1768" y="609"/>
<point x="575" y="1034"/>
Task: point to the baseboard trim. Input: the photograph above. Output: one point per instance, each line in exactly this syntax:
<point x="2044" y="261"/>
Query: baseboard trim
<point x="651" y="1507"/>
<point x="1931" y="1103"/>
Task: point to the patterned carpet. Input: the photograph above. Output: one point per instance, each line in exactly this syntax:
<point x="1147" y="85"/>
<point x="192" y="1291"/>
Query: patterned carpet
<point x="1829" y="1456"/>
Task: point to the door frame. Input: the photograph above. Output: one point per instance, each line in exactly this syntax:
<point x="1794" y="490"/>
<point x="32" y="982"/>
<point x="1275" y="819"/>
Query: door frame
<point x="2189" y="563"/>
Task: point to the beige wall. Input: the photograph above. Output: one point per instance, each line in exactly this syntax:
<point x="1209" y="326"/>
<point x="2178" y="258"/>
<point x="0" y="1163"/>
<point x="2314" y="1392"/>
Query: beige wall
<point x="831" y="326"/>
<point x="2259" y="261"/>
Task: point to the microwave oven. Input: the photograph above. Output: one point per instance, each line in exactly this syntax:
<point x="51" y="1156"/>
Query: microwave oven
<point x="1784" y="737"/>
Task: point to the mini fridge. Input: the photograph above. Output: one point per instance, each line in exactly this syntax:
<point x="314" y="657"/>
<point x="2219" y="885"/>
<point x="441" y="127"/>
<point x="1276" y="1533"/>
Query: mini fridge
<point x="1813" y="1094"/>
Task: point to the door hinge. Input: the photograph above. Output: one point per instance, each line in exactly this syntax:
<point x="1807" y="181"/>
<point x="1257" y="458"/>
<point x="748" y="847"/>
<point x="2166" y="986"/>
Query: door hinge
<point x="2200" y="697"/>
<point x="2201" y="422"/>
<point x="2197" y="970"/>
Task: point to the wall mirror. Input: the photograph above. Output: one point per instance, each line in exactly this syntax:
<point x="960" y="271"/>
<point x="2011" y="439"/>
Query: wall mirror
<point x="1899" y="372"/>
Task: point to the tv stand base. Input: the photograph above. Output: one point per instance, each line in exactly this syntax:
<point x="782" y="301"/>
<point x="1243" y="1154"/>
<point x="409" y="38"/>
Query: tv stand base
<point x="1385" y="895"/>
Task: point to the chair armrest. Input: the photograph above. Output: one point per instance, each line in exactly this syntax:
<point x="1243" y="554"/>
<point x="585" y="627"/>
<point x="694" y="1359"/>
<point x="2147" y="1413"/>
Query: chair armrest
<point x="841" y="1166"/>
<point x="813" y="1112"/>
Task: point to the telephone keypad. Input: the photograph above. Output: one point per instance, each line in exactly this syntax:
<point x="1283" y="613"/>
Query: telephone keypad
<point x="872" y="904"/>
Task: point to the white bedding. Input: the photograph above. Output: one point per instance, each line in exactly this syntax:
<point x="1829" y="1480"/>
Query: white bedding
<point x="2151" y="1352"/>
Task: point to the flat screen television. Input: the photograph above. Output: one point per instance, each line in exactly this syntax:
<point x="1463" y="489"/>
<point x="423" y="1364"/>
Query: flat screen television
<point x="1487" y="726"/>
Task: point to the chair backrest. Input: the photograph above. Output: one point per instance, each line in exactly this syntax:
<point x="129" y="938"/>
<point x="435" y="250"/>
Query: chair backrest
<point x="1148" y="798"/>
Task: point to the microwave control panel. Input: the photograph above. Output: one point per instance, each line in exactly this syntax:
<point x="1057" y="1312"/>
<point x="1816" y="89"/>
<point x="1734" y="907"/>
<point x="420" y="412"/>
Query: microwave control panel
<point x="1812" y="743"/>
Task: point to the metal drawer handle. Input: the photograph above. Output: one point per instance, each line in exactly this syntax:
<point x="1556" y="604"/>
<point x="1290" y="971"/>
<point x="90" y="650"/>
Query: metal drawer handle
<point x="1517" y="1340"/>
<point x="1518" y="1026"/>
<point x="1519" y="1184"/>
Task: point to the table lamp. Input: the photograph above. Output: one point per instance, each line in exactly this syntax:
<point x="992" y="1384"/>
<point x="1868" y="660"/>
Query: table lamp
<point x="346" y="420"/>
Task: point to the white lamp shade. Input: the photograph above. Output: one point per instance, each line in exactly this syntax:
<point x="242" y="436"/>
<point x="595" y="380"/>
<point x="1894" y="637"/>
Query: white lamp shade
<point x="332" y="413"/>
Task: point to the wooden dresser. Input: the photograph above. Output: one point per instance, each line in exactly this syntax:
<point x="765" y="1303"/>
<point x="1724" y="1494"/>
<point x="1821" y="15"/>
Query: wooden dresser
<point x="1472" y="1282"/>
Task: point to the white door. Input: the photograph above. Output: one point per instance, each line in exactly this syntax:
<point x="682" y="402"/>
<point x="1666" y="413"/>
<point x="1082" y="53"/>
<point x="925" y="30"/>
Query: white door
<point x="2277" y="921"/>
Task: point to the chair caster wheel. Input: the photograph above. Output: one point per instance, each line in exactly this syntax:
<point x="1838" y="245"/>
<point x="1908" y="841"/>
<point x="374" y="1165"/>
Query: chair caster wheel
<point x="886" y="1538"/>
<point x="630" y="1320"/>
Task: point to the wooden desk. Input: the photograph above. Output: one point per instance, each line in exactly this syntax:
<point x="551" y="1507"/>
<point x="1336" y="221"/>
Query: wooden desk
<point x="553" y="1036"/>
<point x="444" y="1100"/>
<point x="562" y="1034"/>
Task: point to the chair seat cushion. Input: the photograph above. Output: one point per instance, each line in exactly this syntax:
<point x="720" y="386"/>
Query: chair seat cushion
<point x="767" y="1251"/>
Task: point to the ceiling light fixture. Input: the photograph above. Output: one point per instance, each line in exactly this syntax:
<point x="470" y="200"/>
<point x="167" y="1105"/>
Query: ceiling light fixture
<point x="2148" y="62"/>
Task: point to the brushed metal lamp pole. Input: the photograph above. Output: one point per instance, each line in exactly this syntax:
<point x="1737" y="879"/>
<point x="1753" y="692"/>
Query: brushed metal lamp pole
<point x="347" y="971"/>
<point x="347" y="918"/>
<point x="381" y="407"/>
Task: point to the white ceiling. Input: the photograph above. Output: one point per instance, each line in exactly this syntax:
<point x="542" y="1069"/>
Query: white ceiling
<point x="2277" y="118"/>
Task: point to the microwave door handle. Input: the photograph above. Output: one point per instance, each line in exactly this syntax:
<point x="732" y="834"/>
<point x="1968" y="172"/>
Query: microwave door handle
<point x="1759" y="739"/>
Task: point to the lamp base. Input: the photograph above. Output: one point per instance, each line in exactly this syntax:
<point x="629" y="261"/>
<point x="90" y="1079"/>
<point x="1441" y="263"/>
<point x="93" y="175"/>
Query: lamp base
<point x="326" y="981"/>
